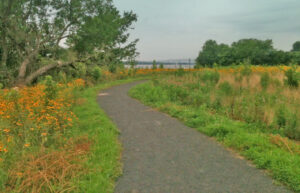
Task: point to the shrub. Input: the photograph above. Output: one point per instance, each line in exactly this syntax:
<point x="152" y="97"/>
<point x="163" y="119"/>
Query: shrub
<point x="161" y="66"/>
<point x="81" y="70"/>
<point x="292" y="77"/>
<point x="112" y="68"/>
<point x="96" y="73"/>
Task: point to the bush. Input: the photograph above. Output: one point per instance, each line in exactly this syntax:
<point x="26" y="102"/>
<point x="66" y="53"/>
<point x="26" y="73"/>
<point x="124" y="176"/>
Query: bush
<point x="112" y="68"/>
<point x="96" y="73"/>
<point x="292" y="78"/>
<point x="81" y="70"/>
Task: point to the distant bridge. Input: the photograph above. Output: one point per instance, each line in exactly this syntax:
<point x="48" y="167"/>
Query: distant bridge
<point x="168" y="65"/>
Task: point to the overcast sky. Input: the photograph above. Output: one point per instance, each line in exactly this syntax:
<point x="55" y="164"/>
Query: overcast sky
<point x="177" y="29"/>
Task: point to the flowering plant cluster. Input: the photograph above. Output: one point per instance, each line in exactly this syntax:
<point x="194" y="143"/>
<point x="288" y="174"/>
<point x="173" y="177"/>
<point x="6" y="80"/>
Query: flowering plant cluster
<point x="35" y="117"/>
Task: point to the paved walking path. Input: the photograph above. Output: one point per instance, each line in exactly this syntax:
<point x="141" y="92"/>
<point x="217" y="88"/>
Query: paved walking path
<point x="161" y="155"/>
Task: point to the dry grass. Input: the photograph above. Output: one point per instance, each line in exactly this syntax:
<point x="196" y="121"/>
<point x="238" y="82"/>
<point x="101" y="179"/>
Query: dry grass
<point x="51" y="172"/>
<point x="276" y="105"/>
<point x="285" y="143"/>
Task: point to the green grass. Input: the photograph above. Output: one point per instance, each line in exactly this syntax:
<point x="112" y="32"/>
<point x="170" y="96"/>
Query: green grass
<point x="247" y="139"/>
<point x="104" y="164"/>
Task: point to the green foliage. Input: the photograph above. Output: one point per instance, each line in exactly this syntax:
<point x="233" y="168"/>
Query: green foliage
<point x="296" y="46"/>
<point x="258" y="52"/>
<point x="226" y="88"/>
<point x="265" y="80"/>
<point x="289" y="122"/>
<point x="95" y="32"/>
<point x="96" y="73"/>
<point x="213" y="53"/>
<point x="112" y="68"/>
<point x="161" y="66"/>
<point x="3" y="179"/>
<point x="212" y="77"/>
<point x="51" y="88"/>
<point x="292" y="129"/>
<point x="292" y="77"/>
<point x="295" y="58"/>
<point x="81" y="70"/>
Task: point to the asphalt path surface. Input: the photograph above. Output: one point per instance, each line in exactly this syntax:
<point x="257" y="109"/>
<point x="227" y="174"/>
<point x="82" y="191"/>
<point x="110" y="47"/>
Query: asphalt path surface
<point x="161" y="155"/>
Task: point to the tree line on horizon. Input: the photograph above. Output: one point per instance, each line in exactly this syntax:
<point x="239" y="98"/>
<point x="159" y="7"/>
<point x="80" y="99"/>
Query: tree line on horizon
<point x="252" y="51"/>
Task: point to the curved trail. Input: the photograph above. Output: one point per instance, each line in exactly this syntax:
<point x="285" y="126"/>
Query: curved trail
<point x="161" y="155"/>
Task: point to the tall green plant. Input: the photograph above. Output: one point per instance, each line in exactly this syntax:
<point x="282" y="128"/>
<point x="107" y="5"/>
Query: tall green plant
<point x="292" y="77"/>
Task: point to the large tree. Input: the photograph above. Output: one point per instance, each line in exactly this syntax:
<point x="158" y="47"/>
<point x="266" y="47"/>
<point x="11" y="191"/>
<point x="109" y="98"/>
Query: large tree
<point x="34" y="30"/>
<point x="296" y="47"/>
<point x="257" y="51"/>
<point x="212" y="52"/>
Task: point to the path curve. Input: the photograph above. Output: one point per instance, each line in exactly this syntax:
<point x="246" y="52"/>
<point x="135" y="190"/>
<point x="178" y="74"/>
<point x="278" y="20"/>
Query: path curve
<point x="161" y="155"/>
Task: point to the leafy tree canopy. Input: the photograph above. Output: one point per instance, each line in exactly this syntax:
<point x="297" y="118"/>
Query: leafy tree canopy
<point x="296" y="47"/>
<point x="257" y="52"/>
<point x="33" y="31"/>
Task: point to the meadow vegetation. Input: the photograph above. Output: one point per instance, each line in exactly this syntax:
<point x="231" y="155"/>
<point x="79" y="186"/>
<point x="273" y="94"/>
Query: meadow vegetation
<point x="55" y="138"/>
<point x="56" y="55"/>
<point x="252" y="109"/>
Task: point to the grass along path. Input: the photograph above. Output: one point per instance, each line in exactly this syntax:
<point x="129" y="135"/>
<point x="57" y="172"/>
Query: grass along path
<point x="256" y="146"/>
<point x="103" y="165"/>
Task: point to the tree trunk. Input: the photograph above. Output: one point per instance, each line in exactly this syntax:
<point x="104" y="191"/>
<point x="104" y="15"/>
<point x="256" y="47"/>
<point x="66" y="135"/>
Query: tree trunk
<point x="24" y="64"/>
<point x="22" y="72"/>
<point x="43" y="70"/>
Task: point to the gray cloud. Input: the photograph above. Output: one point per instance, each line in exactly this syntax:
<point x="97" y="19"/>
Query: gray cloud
<point x="177" y="29"/>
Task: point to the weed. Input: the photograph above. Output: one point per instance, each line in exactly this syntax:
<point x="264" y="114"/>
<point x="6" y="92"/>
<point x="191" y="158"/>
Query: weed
<point x="265" y="80"/>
